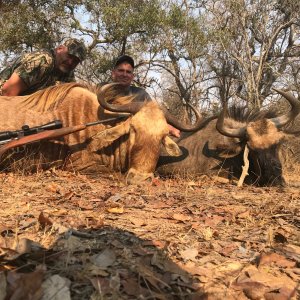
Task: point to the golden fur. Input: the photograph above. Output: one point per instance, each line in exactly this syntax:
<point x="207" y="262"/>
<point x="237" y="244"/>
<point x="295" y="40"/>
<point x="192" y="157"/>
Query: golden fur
<point x="262" y="134"/>
<point x="76" y="104"/>
<point x="46" y="99"/>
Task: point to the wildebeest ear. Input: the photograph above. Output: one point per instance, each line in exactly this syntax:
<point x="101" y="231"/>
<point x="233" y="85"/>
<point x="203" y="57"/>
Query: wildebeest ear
<point x="111" y="134"/>
<point x="171" y="147"/>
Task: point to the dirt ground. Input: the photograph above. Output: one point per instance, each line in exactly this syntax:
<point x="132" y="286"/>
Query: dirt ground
<point x="71" y="236"/>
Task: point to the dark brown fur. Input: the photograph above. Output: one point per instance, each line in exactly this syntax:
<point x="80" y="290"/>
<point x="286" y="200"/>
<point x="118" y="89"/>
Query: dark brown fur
<point x="209" y="152"/>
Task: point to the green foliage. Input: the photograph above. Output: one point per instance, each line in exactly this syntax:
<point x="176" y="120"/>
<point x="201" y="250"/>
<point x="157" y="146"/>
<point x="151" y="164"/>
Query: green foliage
<point x="229" y="48"/>
<point x="29" y="25"/>
<point x="125" y="18"/>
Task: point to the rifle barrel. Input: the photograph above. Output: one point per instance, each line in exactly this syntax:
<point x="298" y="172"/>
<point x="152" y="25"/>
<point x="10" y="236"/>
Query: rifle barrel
<point x="50" y="134"/>
<point x="106" y="120"/>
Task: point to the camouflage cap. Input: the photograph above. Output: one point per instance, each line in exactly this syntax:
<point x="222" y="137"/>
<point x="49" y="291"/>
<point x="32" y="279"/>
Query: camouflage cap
<point x="76" y="48"/>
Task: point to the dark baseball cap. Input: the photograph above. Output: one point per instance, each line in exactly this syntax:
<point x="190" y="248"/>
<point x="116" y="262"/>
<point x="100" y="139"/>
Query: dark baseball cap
<point x="76" y="48"/>
<point x="124" y="58"/>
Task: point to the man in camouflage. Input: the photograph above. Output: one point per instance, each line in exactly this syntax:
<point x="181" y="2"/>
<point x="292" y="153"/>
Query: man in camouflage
<point x="40" y="69"/>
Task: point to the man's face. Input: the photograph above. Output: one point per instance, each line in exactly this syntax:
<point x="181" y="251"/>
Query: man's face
<point x="123" y="74"/>
<point x="64" y="61"/>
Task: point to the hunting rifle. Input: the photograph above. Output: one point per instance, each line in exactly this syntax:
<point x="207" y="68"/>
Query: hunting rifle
<point x="52" y="130"/>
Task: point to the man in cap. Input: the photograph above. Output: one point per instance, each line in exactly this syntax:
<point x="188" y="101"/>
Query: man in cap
<point x="40" y="69"/>
<point x="123" y="73"/>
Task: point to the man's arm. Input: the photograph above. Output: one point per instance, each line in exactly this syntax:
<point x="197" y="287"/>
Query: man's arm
<point x="174" y="131"/>
<point x="14" y="86"/>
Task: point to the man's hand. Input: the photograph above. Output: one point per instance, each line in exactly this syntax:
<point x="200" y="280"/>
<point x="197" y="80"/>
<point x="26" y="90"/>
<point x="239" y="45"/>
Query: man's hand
<point x="174" y="131"/>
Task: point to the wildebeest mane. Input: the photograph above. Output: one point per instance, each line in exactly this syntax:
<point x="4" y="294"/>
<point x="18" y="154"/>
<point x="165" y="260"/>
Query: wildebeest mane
<point x="244" y="114"/>
<point x="51" y="97"/>
<point x="47" y="98"/>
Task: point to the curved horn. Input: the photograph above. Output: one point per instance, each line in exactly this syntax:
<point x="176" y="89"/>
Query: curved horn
<point x="132" y="107"/>
<point x="292" y="114"/>
<point x="230" y="132"/>
<point x="200" y="122"/>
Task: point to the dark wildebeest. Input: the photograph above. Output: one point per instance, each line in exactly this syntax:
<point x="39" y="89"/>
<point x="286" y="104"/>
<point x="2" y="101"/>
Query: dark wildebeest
<point x="132" y="145"/>
<point x="217" y="148"/>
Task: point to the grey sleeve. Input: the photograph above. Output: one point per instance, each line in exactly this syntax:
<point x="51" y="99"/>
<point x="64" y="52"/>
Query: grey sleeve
<point x="142" y="95"/>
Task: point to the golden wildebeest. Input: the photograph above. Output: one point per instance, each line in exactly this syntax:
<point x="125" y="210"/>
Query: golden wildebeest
<point x="217" y="148"/>
<point x="132" y="145"/>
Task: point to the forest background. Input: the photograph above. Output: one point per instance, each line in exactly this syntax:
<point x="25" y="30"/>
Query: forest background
<point x="203" y="52"/>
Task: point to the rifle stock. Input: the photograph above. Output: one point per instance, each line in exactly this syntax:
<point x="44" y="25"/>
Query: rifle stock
<point x="43" y="135"/>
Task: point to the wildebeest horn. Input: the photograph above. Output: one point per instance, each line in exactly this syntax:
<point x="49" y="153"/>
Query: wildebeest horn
<point x="132" y="107"/>
<point x="230" y="132"/>
<point x="292" y="114"/>
<point x="200" y="122"/>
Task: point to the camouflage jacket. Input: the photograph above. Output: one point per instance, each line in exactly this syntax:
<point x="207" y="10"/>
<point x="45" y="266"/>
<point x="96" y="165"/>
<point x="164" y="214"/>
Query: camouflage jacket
<point x="37" y="71"/>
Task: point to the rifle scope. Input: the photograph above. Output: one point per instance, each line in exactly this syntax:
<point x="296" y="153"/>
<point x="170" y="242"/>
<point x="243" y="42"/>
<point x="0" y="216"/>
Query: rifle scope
<point x="26" y="130"/>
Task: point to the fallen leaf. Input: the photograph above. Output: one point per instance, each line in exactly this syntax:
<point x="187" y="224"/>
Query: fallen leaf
<point x="117" y="244"/>
<point x="151" y="276"/>
<point x="281" y="294"/>
<point x="192" y="183"/>
<point x="193" y="269"/>
<point x="84" y="204"/>
<point x="25" y="284"/>
<point x="137" y="222"/>
<point x="24" y="224"/>
<point x="131" y="287"/>
<point x="253" y="290"/>
<point x="189" y="254"/>
<point x="213" y="220"/>
<point x="73" y="243"/>
<point x="160" y="204"/>
<point x="114" y="198"/>
<point x="116" y="210"/>
<point x="229" y="267"/>
<point x="156" y="243"/>
<point x="95" y="223"/>
<point x="101" y="285"/>
<point x="52" y="187"/>
<point x="244" y="215"/>
<point x="157" y="260"/>
<point x="291" y="251"/>
<point x="181" y="217"/>
<point x="228" y="249"/>
<point x="56" y="288"/>
<point x="60" y="228"/>
<point x="273" y="280"/>
<point x="104" y="259"/>
<point x="278" y="260"/>
<point x="44" y="220"/>
<point x="68" y="195"/>
<point x="93" y="270"/>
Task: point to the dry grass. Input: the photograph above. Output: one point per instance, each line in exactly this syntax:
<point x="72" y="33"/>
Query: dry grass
<point x="174" y="239"/>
